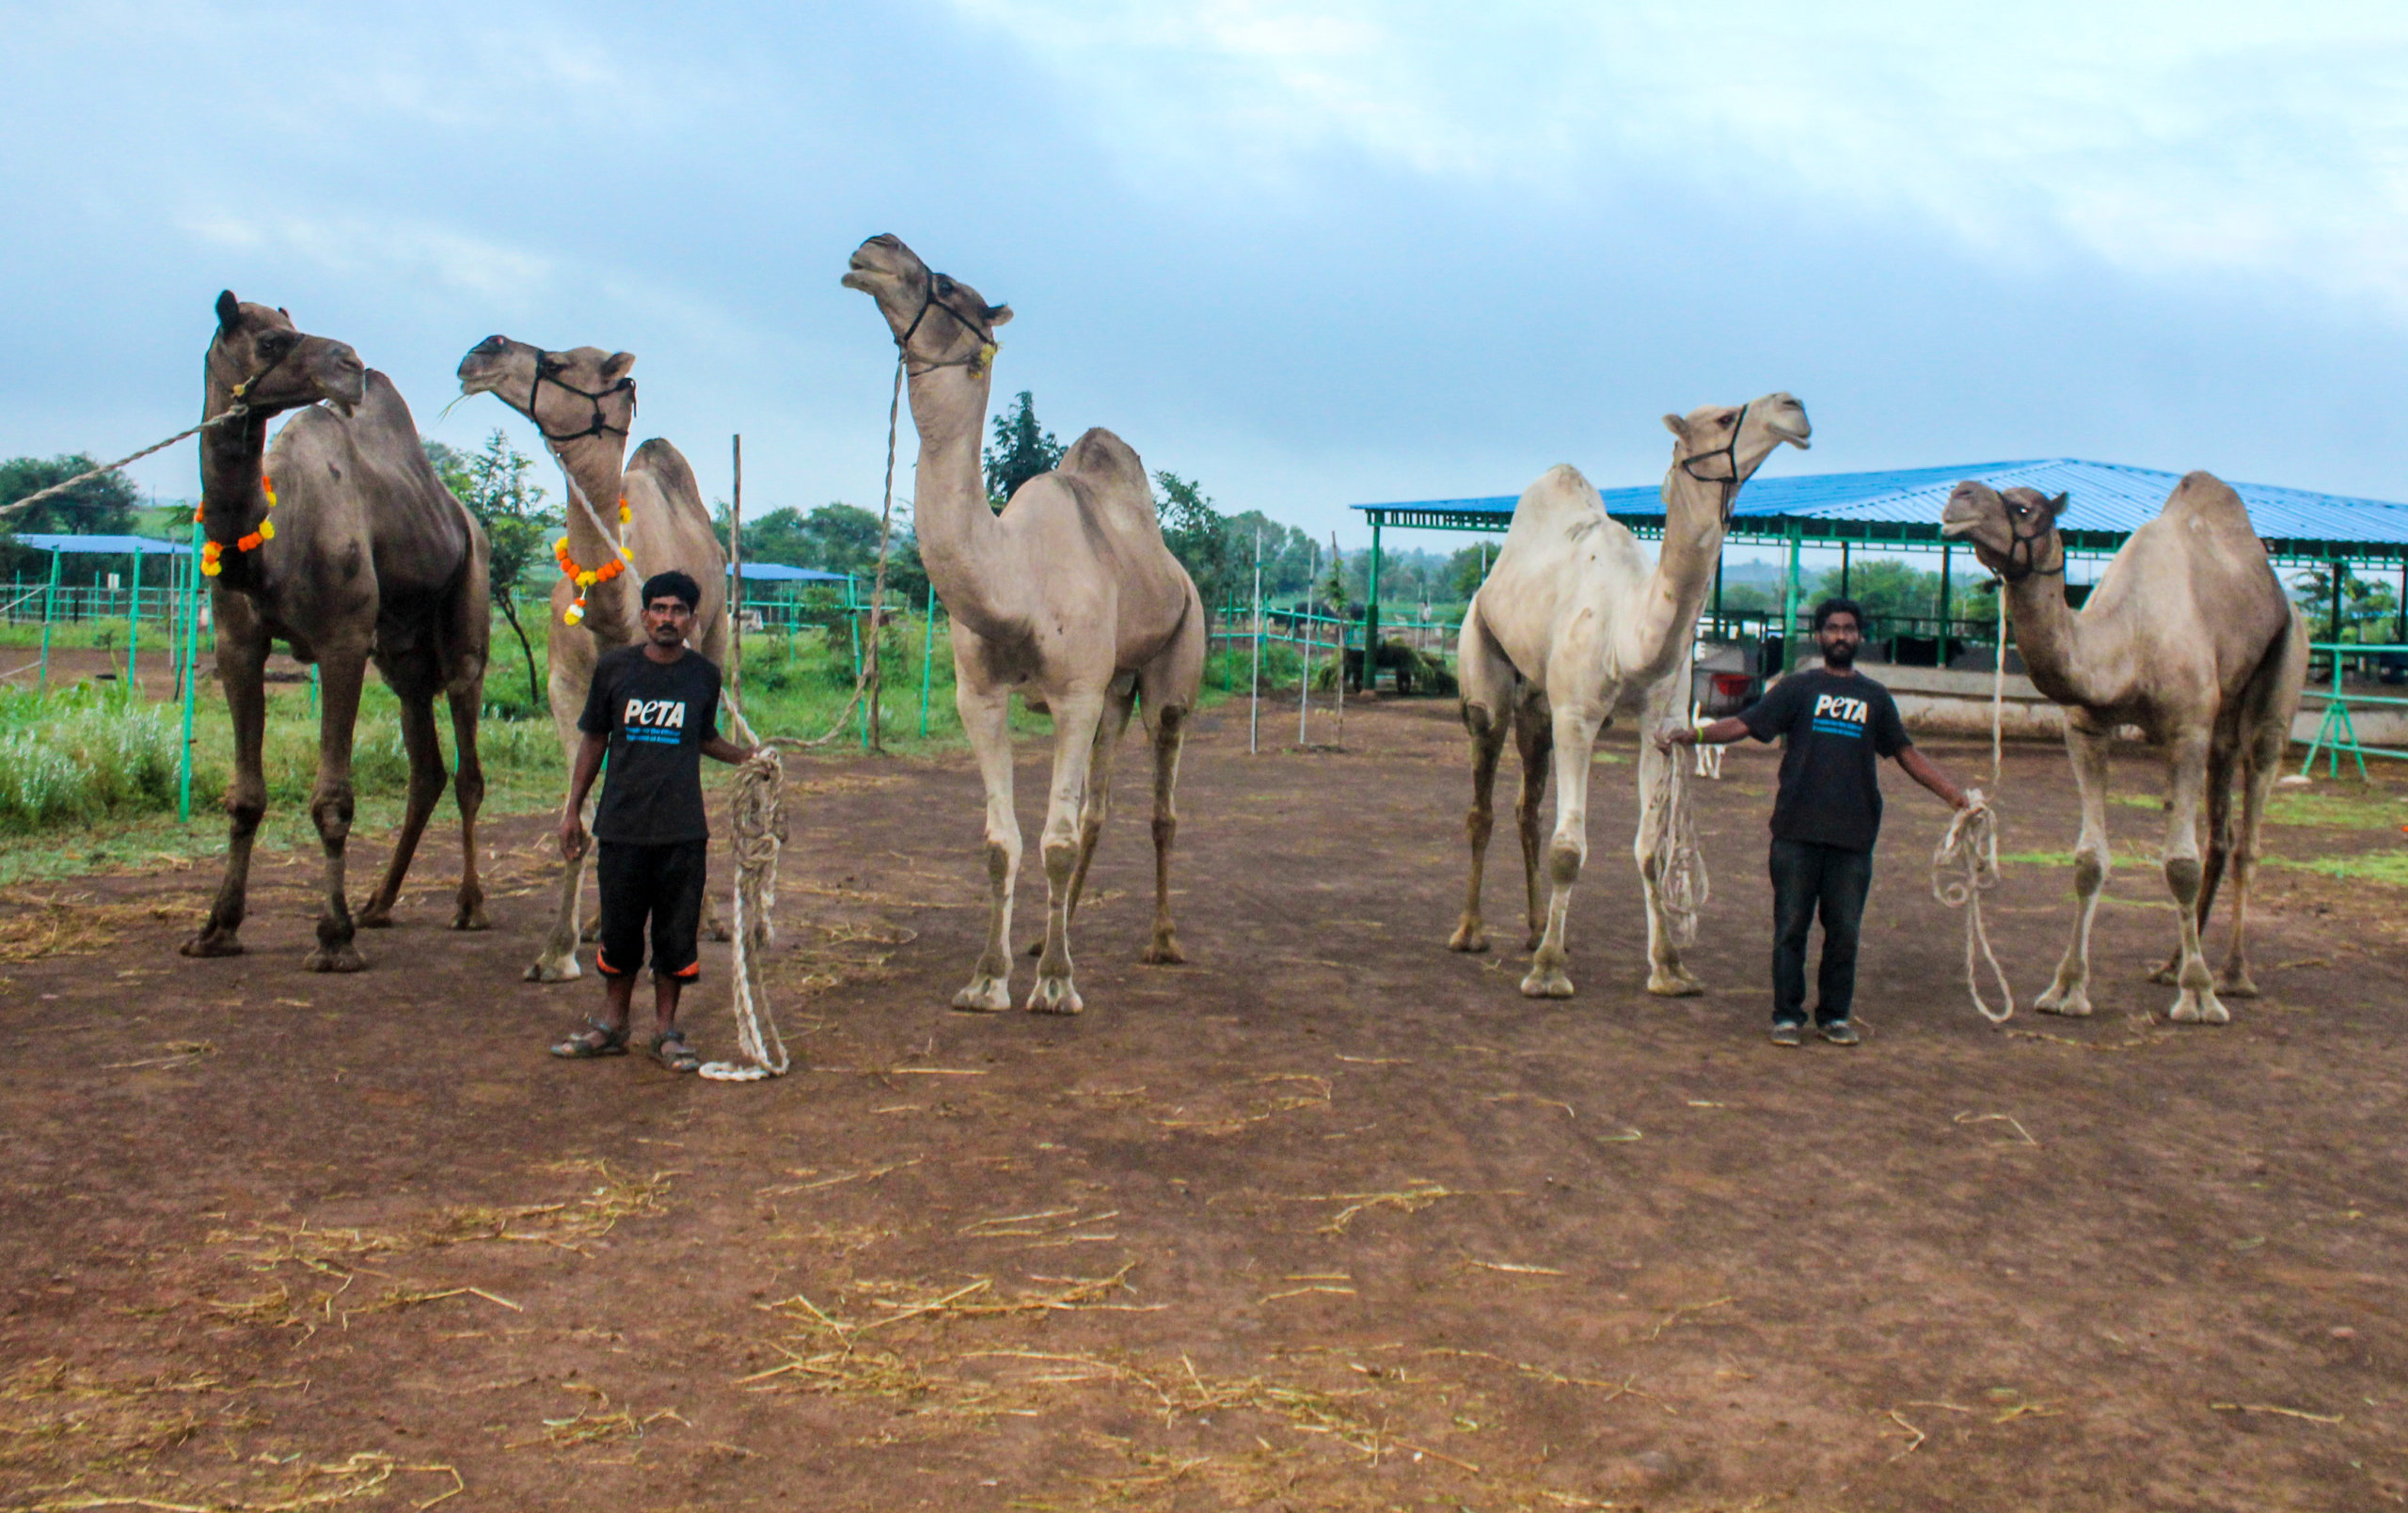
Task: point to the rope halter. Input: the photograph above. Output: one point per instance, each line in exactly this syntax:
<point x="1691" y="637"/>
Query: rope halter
<point x="548" y="370"/>
<point x="976" y="362"/>
<point x="1729" y="452"/>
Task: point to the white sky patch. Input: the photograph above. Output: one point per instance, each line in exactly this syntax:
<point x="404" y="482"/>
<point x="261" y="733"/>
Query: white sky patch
<point x="364" y="246"/>
<point x="2157" y="137"/>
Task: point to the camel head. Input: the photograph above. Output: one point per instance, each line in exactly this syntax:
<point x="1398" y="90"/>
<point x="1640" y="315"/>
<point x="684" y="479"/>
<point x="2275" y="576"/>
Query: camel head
<point x="268" y="364"/>
<point x="1726" y="444"/>
<point x="569" y="395"/>
<point x="938" y="321"/>
<point x="2014" y="533"/>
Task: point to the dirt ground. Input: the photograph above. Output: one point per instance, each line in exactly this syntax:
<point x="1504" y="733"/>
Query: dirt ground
<point x="1329" y="1218"/>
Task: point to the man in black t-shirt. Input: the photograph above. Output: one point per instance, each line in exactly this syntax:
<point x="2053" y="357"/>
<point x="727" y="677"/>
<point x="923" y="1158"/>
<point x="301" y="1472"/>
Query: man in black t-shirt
<point x="1836" y="723"/>
<point x="653" y="709"/>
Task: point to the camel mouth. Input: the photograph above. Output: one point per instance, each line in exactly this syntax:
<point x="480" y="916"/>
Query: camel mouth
<point x="1957" y="529"/>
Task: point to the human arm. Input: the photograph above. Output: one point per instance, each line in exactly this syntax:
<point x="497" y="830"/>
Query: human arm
<point x="580" y="783"/>
<point x="1720" y="732"/>
<point x="1923" y="770"/>
<point x="719" y="748"/>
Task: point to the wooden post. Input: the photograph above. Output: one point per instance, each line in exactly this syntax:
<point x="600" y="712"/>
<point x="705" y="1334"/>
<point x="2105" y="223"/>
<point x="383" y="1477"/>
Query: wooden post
<point x="1305" y="657"/>
<point x="1336" y="563"/>
<point x="1253" y="694"/>
<point x="192" y="661"/>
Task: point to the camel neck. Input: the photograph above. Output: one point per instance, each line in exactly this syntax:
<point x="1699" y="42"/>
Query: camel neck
<point x="960" y="539"/>
<point x="2049" y="636"/>
<point x="1654" y="640"/>
<point x="594" y="464"/>
<point x="232" y="502"/>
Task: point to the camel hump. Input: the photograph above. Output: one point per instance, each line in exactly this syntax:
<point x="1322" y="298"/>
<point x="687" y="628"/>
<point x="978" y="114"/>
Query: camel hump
<point x="2204" y="496"/>
<point x="1562" y="499"/>
<point x="662" y="460"/>
<point x="1100" y="457"/>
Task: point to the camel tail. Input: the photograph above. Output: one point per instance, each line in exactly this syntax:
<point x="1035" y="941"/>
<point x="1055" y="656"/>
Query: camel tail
<point x="665" y="463"/>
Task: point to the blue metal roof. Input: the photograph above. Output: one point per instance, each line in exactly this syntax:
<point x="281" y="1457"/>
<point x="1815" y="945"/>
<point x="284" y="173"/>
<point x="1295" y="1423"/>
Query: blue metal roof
<point x="99" y="546"/>
<point x="780" y="572"/>
<point x="2106" y="497"/>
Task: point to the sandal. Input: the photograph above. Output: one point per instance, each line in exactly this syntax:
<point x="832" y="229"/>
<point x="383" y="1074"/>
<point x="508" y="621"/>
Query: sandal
<point x="669" y="1050"/>
<point x="596" y="1039"/>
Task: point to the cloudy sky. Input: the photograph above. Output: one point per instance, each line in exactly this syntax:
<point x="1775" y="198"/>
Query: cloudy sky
<point x="1311" y="254"/>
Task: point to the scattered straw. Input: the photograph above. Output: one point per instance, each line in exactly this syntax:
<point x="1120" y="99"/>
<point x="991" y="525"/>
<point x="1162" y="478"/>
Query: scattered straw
<point x="867" y="1174"/>
<point x="1681" y="1313"/>
<point x="1971" y="1118"/>
<point x="2274" y="1408"/>
<point x="179" y="1054"/>
<point x="1518" y="1269"/>
<point x="71" y="925"/>
<point x="1411" y="1199"/>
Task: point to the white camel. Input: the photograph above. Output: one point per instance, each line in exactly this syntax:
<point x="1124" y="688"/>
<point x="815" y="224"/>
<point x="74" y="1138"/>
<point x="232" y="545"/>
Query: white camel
<point x="1068" y="598"/>
<point x="1574" y="625"/>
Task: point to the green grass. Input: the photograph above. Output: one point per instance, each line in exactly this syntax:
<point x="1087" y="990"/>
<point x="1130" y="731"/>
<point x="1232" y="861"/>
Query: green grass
<point x="2389" y="868"/>
<point x="2039" y="858"/>
<point x="2339" y="810"/>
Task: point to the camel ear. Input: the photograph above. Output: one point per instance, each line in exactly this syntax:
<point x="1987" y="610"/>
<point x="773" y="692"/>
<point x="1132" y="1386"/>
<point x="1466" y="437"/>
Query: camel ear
<point x="1677" y="425"/>
<point x="617" y="366"/>
<point x="999" y="315"/>
<point x="230" y="310"/>
<point x="2057" y="505"/>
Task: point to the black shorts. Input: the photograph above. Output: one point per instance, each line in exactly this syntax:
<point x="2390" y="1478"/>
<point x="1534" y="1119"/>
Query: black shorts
<point x="662" y="883"/>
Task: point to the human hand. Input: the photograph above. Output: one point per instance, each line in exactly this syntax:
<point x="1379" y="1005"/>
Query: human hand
<point x="1668" y="736"/>
<point x="572" y="834"/>
<point x="1971" y="800"/>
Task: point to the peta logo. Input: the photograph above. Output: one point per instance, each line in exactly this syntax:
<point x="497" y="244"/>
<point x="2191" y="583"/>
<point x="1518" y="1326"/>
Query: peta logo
<point x="655" y="713"/>
<point x="1836" y="706"/>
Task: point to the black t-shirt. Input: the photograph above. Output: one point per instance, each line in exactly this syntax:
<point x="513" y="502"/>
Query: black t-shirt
<point x="658" y="715"/>
<point x="1831" y="779"/>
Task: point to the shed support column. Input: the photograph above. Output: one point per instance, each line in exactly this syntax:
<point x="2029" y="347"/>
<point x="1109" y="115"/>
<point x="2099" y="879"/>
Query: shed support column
<point x="1718" y="593"/>
<point x="1789" y="601"/>
<point x="1943" y="606"/>
<point x="1371" y="616"/>
<point x="1844" y="564"/>
<point x="49" y="605"/>
<point x="2340" y="571"/>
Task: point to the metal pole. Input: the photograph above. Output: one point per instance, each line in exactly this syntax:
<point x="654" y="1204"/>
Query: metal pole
<point x="1944" y="604"/>
<point x="1371" y="617"/>
<point x="1788" y="602"/>
<point x="192" y="659"/>
<point x="1338" y="682"/>
<point x="735" y="569"/>
<point x="854" y="619"/>
<point x="927" y="661"/>
<point x="134" y="628"/>
<point x="1254" y="693"/>
<point x="49" y="597"/>
<point x="1717" y="591"/>
<point x="2340" y="571"/>
<point x="1305" y="677"/>
<point x="1843" y="593"/>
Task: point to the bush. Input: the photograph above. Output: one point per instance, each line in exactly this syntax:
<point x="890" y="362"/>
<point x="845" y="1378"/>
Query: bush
<point x="81" y="755"/>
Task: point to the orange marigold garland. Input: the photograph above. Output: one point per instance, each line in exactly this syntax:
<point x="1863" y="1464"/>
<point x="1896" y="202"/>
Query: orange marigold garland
<point x="587" y="577"/>
<point x="211" y="552"/>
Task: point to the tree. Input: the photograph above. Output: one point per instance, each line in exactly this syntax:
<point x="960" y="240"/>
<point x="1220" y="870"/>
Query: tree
<point x="101" y="506"/>
<point x="1467" y="569"/>
<point x="1197" y="535"/>
<point x="493" y="485"/>
<point x="836" y="538"/>
<point x="1886" y="586"/>
<point x="1021" y="450"/>
<point x="2369" y="606"/>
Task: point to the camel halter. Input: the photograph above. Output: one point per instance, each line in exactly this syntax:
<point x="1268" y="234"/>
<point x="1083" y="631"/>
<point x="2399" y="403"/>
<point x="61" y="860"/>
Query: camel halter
<point x="2022" y="557"/>
<point x="987" y="347"/>
<point x="548" y="370"/>
<point x="1729" y="452"/>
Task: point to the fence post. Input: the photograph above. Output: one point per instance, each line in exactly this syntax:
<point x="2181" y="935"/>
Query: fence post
<point x="192" y="659"/>
<point x="1788" y="602"/>
<point x="49" y="598"/>
<point x="133" y="628"/>
<point x="1943" y="606"/>
<point x="927" y="661"/>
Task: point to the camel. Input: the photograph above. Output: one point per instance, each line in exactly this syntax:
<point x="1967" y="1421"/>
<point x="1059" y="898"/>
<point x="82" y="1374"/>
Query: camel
<point x="367" y="556"/>
<point x="1574" y="625"/>
<point x="583" y="400"/>
<point x="2188" y="637"/>
<point x="1068" y="597"/>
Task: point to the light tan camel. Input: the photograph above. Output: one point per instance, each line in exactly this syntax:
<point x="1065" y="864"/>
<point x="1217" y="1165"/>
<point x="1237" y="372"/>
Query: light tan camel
<point x="1069" y="597"/>
<point x="1574" y="625"/>
<point x="359" y="554"/>
<point x="2188" y="636"/>
<point x="583" y="401"/>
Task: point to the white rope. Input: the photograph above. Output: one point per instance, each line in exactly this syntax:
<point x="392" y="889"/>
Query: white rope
<point x="1964" y="866"/>
<point x="756" y="811"/>
<point x="232" y="411"/>
<point x="1681" y="887"/>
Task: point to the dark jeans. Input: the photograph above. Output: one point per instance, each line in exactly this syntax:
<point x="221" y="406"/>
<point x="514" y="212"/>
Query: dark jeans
<point x="1808" y="879"/>
<point x="662" y="884"/>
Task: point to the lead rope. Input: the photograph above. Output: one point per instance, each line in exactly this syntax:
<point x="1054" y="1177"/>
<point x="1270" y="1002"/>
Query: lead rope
<point x="1681" y="887"/>
<point x="232" y="411"/>
<point x="1964" y="866"/>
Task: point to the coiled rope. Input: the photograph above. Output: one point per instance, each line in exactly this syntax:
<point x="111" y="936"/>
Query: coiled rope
<point x="1964" y="866"/>
<point x="1681" y="887"/>
<point x="757" y="812"/>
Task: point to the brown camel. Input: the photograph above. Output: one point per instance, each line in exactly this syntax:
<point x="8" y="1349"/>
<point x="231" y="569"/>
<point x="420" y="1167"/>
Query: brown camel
<point x="366" y="555"/>
<point x="2188" y="636"/>
<point x="583" y="401"/>
<point x="1069" y="597"/>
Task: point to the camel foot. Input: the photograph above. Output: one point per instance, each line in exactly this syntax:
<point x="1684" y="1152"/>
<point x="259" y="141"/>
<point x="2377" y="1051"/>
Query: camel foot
<point x="212" y="943"/>
<point x="986" y="994"/>
<point x="374" y="918"/>
<point x="1163" y="951"/>
<point x="2198" y="1007"/>
<point x="1674" y="983"/>
<point x="470" y="916"/>
<point x="1469" y="936"/>
<point x="2073" y="1002"/>
<point x="2237" y="982"/>
<point x="2169" y="975"/>
<point x="554" y="970"/>
<point x="1546" y="982"/>
<point x="1054" y="995"/>
<point x="335" y="959"/>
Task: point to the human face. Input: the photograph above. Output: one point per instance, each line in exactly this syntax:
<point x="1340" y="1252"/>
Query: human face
<point x="666" y="621"/>
<point x="1840" y="638"/>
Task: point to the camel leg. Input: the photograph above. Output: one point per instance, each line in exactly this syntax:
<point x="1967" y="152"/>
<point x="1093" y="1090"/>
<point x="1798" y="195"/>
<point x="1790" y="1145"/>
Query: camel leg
<point x="556" y="962"/>
<point x="1170" y="736"/>
<point x="1076" y="717"/>
<point x="2219" y="801"/>
<point x="2195" y="1001"/>
<point x="469" y="792"/>
<point x="427" y="780"/>
<point x="241" y="664"/>
<point x="1576" y="738"/>
<point x="1097" y="806"/>
<point x="1534" y="741"/>
<point x="1487" y="744"/>
<point x="985" y="718"/>
<point x="2260" y="767"/>
<point x="339" y="675"/>
<point x="1667" y="977"/>
<point x="2070" y="993"/>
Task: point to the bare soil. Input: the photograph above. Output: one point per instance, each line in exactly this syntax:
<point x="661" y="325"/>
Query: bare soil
<point x="1329" y="1218"/>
